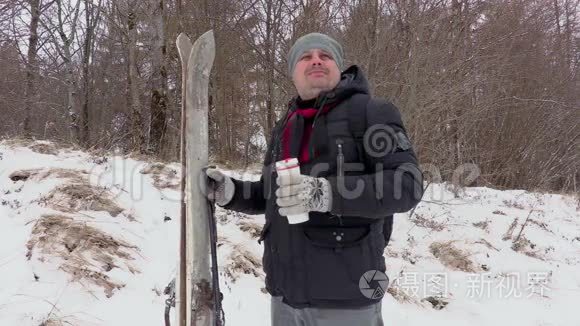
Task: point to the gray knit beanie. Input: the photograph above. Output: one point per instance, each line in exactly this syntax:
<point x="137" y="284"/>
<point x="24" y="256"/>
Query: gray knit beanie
<point x="315" y="41"/>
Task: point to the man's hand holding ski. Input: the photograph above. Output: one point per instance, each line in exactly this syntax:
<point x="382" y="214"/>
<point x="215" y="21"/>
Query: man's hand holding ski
<point x="220" y="187"/>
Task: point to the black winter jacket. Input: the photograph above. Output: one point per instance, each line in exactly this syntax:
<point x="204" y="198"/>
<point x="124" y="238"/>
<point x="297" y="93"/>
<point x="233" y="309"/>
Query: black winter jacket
<point x="320" y="263"/>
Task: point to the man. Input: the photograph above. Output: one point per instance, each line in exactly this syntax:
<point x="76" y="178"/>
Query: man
<point x="349" y="188"/>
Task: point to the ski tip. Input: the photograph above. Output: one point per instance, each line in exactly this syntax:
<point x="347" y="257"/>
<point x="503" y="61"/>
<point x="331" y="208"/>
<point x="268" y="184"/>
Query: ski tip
<point x="208" y="34"/>
<point x="181" y="38"/>
<point x="203" y="53"/>
<point x="183" y="44"/>
<point x="208" y="38"/>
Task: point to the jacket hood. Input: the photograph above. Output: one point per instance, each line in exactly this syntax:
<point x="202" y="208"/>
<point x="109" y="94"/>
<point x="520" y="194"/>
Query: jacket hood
<point x="352" y="81"/>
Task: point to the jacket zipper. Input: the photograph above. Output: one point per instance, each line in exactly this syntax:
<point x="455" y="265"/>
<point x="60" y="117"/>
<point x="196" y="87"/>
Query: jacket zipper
<point x="340" y="169"/>
<point x="340" y="158"/>
<point x="320" y="108"/>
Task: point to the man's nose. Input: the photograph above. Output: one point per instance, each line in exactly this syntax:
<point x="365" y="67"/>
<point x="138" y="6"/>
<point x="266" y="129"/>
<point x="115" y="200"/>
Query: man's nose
<point x="316" y="60"/>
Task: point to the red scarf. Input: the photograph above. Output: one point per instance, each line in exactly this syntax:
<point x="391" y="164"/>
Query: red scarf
<point x="297" y="134"/>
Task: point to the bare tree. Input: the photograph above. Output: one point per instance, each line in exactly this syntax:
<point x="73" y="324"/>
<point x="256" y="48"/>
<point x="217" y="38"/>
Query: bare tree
<point x="159" y="100"/>
<point x="488" y="83"/>
<point x="67" y="14"/>
<point x="138" y="141"/>
<point x="92" y="18"/>
<point x="31" y="65"/>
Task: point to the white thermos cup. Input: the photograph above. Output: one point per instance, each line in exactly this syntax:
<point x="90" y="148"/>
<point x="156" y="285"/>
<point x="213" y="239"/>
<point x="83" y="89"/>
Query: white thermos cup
<point x="287" y="170"/>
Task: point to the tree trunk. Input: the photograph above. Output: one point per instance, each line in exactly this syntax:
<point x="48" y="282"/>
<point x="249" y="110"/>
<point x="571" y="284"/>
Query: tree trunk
<point x="159" y="99"/>
<point x="137" y="133"/>
<point x="72" y="108"/>
<point x="31" y="66"/>
<point x="71" y="99"/>
<point x="91" y="19"/>
<point x="270" y="70"/>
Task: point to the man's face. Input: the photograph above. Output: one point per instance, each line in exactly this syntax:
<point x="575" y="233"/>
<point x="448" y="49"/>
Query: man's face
<point x="315" y="71"/>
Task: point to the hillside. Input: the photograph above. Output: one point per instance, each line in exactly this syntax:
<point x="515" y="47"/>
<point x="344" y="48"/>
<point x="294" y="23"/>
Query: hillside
<point x="92" y="240"/>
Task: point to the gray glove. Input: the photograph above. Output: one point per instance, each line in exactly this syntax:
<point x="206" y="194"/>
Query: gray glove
<point x="220" y="187"/>
<point x="303" y="194"/>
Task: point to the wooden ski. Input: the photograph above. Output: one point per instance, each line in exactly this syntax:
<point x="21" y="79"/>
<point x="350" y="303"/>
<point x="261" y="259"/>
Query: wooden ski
<point x="193" y="287"/>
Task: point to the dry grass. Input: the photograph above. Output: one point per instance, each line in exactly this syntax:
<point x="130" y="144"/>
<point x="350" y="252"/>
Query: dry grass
<point x="408" y="256"/>
<point x="81" y="196"/>
<point x="77" y="195"/>
<point x="541" y="225"/>
<point x="452" y="257"/>
<point x="52" y="321"/>
<point x="242" y="261"/>
<point x="508" y="235"/>
<point x="252" y="228"/>
<point x="44" y="148"/>
<point x="163" y="176"/>
<point x="436" y="302"/>
<point x="400" y="294"/>
<point x="521" y="244"/>
<point x="18" y="142"/>
<point x="224" y="217"/>
<point x="390" y="252"/>
<point x="421" y="221"/>
<point x="513" y="204"/>
<point x="222" y="240"/>
<point x="72" y="175"/>
<point x="86" y="275"/>
<point x="482" y="225"/>
<point x="64" y="321"/>
<point x="38" y="146"/>
<point x="528" y="248"/>
<point x="486" y="243"/>
<point x="87" y="253"/>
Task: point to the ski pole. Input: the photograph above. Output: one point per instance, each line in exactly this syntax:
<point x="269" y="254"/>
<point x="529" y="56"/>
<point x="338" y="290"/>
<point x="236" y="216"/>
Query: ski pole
<point x="219" y="315"/>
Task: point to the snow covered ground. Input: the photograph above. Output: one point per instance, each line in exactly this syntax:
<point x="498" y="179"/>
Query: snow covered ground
<point x="91" y="240"/>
